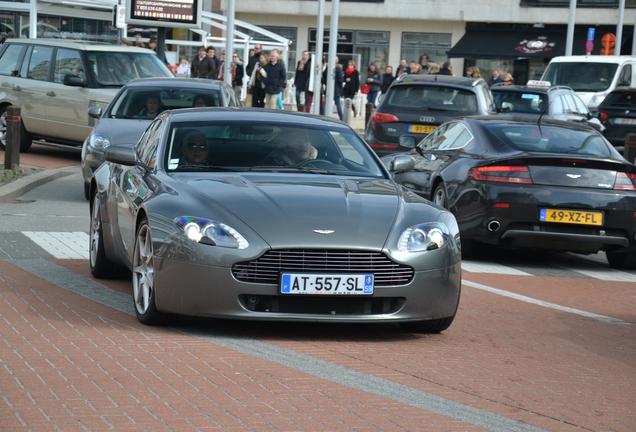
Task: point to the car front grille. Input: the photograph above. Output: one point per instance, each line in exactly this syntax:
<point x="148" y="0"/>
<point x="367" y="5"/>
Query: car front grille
<point x="268" y="268"/>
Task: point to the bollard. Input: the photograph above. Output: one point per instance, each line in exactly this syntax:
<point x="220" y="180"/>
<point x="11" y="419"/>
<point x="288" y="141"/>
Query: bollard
<point x="629" y="151"/>
<point x="368" y="112"/>
<point x="346" y="113"/>
<point x="14" y="128"/>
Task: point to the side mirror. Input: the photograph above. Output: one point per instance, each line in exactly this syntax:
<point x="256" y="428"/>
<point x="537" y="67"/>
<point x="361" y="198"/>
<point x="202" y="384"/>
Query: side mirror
<point x="95" y="112"/>
<point x="407" y="141"/>
<point x="506" y="107"/>
<point x="73" y="80"/>
<point x="121" y="155"/>
<point x="401" y="163"/>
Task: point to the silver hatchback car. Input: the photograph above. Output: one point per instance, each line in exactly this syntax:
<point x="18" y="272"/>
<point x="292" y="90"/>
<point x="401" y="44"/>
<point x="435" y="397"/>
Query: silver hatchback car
<point x="55" y="82"/>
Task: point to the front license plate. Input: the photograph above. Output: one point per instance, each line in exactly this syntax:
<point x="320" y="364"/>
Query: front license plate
<point x="625" y="121"/>
<point x="421" y="129"/>
<point x="326" y="284"/>
<point x="578" y="217"/>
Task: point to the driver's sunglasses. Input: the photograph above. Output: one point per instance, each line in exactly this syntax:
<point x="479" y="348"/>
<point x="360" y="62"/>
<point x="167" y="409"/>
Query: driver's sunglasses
<point x="197" y="146"/>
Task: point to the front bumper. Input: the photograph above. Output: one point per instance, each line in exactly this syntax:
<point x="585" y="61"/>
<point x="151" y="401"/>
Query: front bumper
<point x="203" y="290"/>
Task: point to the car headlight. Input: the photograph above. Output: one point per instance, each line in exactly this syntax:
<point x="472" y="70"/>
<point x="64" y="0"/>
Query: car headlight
<point x="423" y="237"/>
<point x="596" y="101"/>
<point x="206" y="231"/>
<point x="98" y="142"/>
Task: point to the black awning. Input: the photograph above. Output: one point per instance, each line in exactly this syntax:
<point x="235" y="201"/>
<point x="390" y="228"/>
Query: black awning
<point x="480" y="44"/>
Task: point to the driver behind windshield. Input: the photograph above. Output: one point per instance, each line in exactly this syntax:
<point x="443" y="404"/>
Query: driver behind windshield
<point x="152" y="107"/>
<point x="195" y="151"/>
<point x="295" y="149"/>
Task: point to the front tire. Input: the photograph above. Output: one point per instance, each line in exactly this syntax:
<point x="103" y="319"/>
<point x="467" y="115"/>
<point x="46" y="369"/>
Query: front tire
<point x="101" y="266"/>
<point x="430" y="327"/>
<point x="143" y="277"/>
<point x="25" y="138"/>
<point x="439" y="195"/>
<point x="621" y="260"/>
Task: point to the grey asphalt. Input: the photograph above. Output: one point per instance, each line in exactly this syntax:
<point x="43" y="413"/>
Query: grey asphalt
<point x="55" y="206"/>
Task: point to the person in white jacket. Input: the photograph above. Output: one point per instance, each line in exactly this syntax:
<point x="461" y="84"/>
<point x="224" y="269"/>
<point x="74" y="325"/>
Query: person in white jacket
<point x="256" y="85"/>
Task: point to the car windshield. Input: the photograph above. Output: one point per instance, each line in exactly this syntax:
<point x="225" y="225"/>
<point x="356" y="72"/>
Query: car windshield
<point x="115" y="69"/>
<point x="581" y="76"/>
<point x="519" y="101"/>
<point x="536" y="138"/>
<point x="148" y="102"/>
<point x="434" y="98"/>
<point x="264" y="147"/>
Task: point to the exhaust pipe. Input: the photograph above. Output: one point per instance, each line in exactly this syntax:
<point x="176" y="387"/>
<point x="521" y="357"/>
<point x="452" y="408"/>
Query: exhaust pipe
<point x="493" y="225"/>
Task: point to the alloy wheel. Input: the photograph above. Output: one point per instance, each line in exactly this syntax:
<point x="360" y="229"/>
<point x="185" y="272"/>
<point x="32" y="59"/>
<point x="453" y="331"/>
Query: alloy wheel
<point x="440" y="197"/>
<point x="3" y="130"/>
<point x="95" y="231"/>
<point x="143" y="270"/>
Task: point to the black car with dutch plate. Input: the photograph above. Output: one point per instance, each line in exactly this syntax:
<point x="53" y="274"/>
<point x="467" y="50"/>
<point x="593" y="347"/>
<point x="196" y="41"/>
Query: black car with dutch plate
<point x="618" y="114"/>
<point x="518" y="183"/>
<point x="416" y="104"/>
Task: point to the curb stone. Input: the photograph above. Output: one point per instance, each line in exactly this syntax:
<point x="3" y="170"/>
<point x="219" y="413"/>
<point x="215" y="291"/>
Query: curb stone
<point x="24" y="184"/>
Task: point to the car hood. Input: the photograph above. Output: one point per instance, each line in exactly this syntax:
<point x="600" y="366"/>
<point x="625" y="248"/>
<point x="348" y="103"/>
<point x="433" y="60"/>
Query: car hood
<point x="286" y="209"/>
<point x="121" y="132"/>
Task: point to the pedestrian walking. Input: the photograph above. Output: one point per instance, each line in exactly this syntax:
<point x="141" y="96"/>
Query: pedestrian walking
<point x="238" y="72"/>
<point x="374" y="80"/>
<point x="275" y="81"/>
<point x="202" y="66"/>
<point x="433" y="69"/>
<point x="211" y="51"/>
<point x="301" y="82"/>
<point x="257" y="83"/>
<point x="387" y="79"/>
<point x="183" y="70"/>
<point x="254" y="59"/>
<point x="447" y="69"/>
<point x="495" y="78"/>
<point x="351" y="83"/>
<point x="403" y="68"/>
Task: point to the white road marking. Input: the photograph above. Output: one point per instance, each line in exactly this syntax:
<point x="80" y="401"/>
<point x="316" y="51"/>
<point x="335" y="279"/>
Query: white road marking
<point x="608" y="274"/>
<point x="545" y="304"/>
<point x="62" y="245"/>
<point x="488" y="267"/>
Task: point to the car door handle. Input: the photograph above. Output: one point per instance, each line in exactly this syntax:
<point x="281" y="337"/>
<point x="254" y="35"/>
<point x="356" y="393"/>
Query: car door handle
<point x="17" y="88"/>
<point x="50" y="93"/>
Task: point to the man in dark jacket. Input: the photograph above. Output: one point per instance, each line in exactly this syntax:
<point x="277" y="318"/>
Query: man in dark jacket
<point x="202" y="66"/>
<point x="275" y="80"/>
<point x="237" y="74"/>
<point x="447" y="69"/>
<point x="301" y="80"/>
<point x="253" y="59"/>
<point x="212" y="54"/>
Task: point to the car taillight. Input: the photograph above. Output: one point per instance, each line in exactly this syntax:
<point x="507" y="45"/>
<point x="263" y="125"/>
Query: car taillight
<point x="379" y="117"/>
<point x="502" y="174"/>
<point x="624" y="181"/>
<point x="603" y="116"/>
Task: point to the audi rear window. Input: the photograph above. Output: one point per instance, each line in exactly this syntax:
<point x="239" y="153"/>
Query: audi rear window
<point x="533" y="138"/>
<point x="432" y="98"/>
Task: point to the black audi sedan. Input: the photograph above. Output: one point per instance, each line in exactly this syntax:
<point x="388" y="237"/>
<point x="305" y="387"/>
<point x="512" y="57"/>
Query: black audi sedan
<point x="518" y="183"/>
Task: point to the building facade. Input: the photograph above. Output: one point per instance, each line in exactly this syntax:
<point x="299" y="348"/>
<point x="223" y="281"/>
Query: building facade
<point x="518" y="36"/>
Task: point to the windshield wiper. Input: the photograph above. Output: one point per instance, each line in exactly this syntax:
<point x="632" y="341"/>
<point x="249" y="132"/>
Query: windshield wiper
<point x="291" y="169"/>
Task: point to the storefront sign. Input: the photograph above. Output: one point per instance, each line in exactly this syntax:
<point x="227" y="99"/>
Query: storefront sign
<point x="345" y="37"/>
<point x="535" y="46"/>
<point x="164" y="13"/>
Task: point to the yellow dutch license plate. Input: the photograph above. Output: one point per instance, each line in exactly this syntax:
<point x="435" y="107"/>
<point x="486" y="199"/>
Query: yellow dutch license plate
<point x="421" y="129"/>
<point x="578" y="217"/>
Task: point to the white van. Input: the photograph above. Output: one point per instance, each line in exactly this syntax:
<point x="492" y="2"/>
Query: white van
<point x="592" y="77"/>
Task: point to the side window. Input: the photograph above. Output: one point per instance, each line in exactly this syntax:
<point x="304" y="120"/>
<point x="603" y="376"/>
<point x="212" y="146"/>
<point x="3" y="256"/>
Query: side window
<point x="580" y="106"/>
<point x="346" y="148"/>
<point x="557" y="105"/>
<point x="450" y="137"/>
<point x="148" y="149"/>
<point x="430" y="141"/>
<point x="68" y="62"/>
<point x="40" y="63"/>
<point x="625" y="78"/>
<point x="10" y="58"/>
<point x="570" y="106"/>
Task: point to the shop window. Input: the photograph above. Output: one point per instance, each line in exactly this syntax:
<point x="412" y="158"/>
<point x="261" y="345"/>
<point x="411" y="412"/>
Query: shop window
<point x="435" y="45"/>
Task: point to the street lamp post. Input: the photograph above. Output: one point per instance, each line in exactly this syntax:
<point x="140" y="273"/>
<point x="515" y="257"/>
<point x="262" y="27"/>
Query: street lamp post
<point x="619" y="27"/>
<point x="331" y="62"/>
<point x="229" y="42"/>
<point x="571" y="20"/>
<point x="318" y="60"/>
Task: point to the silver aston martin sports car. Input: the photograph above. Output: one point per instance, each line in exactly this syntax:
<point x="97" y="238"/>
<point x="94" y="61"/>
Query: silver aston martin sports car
<point x="257" y="214"/>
